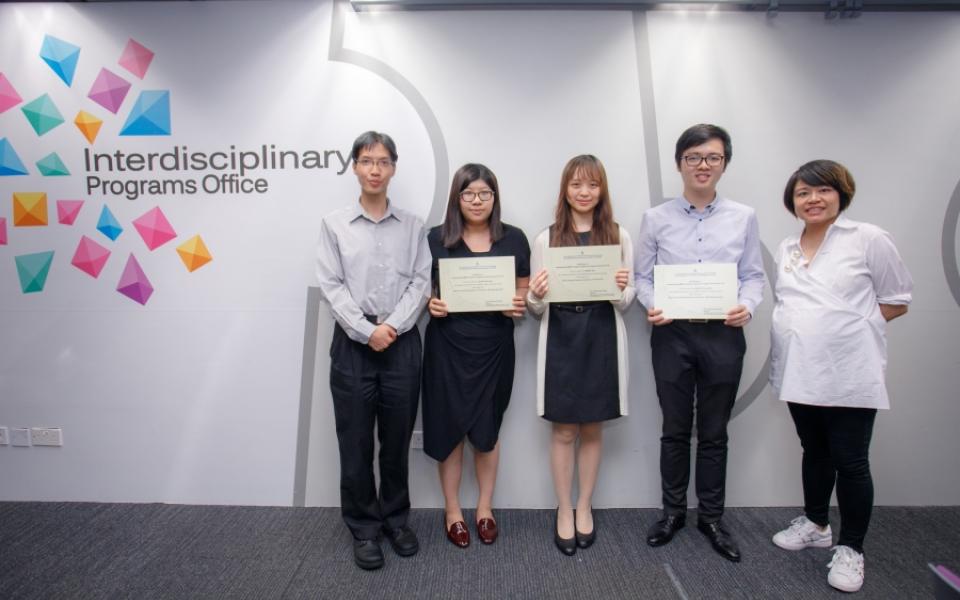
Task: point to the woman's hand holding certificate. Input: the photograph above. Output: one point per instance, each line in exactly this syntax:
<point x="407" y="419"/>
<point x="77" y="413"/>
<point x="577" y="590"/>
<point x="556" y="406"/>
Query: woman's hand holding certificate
<point x="583" y="273"/>
<point x="479" y="284"/>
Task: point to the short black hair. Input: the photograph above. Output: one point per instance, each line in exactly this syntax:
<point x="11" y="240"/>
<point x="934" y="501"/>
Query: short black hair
<point x="821" y="172"/>
<point x="372" y="138"/>
<point x="701" y="134"/>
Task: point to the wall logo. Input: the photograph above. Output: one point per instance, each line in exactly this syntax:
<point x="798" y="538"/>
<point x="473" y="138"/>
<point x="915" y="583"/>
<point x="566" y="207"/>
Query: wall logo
<point x="149" y="115"/>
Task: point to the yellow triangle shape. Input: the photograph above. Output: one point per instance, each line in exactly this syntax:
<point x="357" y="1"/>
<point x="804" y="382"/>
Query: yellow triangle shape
<point x="88" y="125"/>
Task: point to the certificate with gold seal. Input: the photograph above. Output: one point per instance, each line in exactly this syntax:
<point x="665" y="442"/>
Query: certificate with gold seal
<point x="582" y="273"/>
<point x="697" y="291"/>
<point x="477" y="284"/>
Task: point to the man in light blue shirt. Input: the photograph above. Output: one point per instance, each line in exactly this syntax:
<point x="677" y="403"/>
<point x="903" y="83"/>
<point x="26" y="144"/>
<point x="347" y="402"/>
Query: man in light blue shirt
<point x="697" y="363"/>
<point x="373" y="267"/>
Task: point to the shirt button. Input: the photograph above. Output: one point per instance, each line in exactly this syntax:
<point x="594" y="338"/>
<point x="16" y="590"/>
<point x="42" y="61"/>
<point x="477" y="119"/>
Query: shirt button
<point x="699" y="239"/>
<point x="699" y="261"/>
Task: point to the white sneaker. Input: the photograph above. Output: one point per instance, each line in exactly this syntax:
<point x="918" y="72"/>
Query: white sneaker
<point x="803" y="533"/>
<point x="846" y="569"/>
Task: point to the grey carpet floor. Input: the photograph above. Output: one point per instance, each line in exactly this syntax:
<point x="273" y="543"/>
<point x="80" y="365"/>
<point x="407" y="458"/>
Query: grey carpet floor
<point x="147" y="551"/>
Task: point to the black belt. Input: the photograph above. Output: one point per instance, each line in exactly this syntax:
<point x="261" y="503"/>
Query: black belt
<point x="578" y="307"/>
<point x="372" y="318"/>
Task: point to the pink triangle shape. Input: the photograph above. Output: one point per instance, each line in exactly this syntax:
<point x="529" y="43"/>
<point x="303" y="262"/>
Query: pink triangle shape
<point x="109" y="90"/>
<point x="136" y="58"/>
<point x="8" y="96"/>
<point x="67" y="211"/>
<point x="154" y="228"/>
<point x="90" y="257"/>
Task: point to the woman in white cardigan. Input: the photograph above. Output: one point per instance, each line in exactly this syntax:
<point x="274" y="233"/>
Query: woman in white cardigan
<point x="582" y="351"/>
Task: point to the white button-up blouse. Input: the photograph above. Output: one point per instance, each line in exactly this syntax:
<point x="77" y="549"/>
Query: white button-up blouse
<point x="829" y="345"/>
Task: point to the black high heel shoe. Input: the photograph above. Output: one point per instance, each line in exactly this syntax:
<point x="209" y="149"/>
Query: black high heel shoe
<point x="566" y="545"/>
<point x="585" y="540"/>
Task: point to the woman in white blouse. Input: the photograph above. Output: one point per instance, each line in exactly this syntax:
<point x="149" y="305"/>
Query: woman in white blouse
<point x="838" y="283"/>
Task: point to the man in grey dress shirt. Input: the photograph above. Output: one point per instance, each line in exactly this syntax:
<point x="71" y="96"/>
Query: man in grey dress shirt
<point x="697" y="363"/>
<point x="373" y="265"/>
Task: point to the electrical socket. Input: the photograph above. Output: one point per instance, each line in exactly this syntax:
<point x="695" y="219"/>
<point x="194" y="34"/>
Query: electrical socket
<point x="46" y="436"/>
<point x="416" y="440"/>
<point x="4" y="436"/>
<point x="20" y="436"/>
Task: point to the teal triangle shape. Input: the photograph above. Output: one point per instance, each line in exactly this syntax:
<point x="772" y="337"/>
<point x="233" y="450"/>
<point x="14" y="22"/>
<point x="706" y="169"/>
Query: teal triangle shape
<point x="33" y="270"/>
<point x="108" y="224"/>
<point x="61" y="56"/>
<point x="150" y="114"/>
<point x="10" y="163"/>
<point x="51" y="166"/>
<point x="42" y="114"/>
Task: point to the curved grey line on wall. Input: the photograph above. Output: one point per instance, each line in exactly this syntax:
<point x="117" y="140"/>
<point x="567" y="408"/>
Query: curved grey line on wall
<point x="652" y="151"/>
<point x="440" y="161"/>
<point x="763" y="377"/>
<point x="948" y="244"/>
<point x="307" y="375"/>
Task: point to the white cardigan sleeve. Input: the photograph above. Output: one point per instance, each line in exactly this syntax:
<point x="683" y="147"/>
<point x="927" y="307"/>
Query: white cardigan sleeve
<point x="537" y="306"/>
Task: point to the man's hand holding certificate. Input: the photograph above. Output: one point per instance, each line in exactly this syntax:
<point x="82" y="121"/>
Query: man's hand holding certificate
<point x="698" y="291"/>
<point x="479" y="284"/>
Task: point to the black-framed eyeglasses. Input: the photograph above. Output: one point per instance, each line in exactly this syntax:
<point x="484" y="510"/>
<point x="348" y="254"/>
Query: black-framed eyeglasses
<point x="470" y="196"/>
<point x="694" y="160"/>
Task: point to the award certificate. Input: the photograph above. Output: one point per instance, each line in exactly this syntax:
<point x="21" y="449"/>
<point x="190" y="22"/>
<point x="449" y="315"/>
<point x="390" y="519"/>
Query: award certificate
<point x="582" y="273"/>
<point x="700" y="291"/>
<point x="478" y="284"/>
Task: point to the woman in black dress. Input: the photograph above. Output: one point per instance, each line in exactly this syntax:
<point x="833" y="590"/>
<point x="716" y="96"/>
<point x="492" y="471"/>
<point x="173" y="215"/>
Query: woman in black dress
<point x="582" y="353"/>
<point x="469" y="357"/>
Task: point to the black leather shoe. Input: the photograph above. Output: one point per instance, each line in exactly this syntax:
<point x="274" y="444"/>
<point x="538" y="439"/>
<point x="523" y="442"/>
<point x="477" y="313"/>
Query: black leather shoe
<point x="720" y="540"/>
<point x="403" y="540"/>
<point x="585" y="540"/>
<point x="367" y="554"/>
<point x="566" y="545"/>
<point x="663" y="530"/>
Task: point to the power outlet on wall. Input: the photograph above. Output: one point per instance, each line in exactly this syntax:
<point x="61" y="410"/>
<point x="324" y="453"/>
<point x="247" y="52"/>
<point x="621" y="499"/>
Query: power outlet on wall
<point x="4" y="436"/>
<point x="46" y="436"/>
<point x="20" y="436"/>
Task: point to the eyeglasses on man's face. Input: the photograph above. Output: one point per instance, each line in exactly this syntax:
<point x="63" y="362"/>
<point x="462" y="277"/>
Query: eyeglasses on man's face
<point x="368" y="163"/>
<point x="694" y="160"/>
<point x="470" y="196"/>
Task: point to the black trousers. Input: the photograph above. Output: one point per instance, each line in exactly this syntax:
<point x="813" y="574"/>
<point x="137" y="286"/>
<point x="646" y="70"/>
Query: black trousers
<point x="836" y="449"/>
<point x="697" y="369"/>
<point x="374" y="389"/>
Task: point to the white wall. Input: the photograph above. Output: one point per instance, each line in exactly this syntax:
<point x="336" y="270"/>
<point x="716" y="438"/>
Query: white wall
<point x="195" y="397"/>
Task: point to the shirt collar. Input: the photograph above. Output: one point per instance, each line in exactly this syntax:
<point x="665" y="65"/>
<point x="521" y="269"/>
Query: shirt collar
<point x="357" y="212"/>
<point x="841" y="223"/>
<point x="844" y="223"/>
<point x="683" y="204"/>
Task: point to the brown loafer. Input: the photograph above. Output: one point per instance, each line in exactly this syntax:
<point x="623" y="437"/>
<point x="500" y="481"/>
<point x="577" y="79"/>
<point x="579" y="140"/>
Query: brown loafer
<point x="458" y="534"/>
<point x="487" y="530"/>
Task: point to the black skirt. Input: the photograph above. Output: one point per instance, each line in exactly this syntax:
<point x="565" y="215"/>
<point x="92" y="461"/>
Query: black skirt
<point x="581" y="378"/>
<point x="468" y="368"/>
